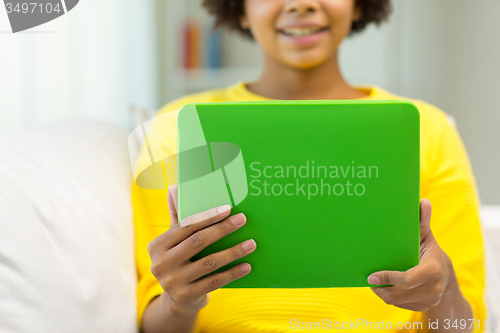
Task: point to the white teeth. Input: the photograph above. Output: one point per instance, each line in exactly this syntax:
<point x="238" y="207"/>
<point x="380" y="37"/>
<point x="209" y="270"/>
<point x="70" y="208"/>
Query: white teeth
<point x="300" y="32"/>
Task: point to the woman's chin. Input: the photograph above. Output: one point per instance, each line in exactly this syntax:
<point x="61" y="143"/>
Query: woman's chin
<point x="305" y="59"/>
<point x="306" y="63"/>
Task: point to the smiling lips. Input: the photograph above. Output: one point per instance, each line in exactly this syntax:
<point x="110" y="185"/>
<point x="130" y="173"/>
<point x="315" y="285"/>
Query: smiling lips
<point x="302" y="36"/>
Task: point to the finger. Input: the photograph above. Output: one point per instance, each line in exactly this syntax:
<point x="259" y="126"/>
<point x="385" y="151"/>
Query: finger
<point x="415" y="277"/>
<point x="205" y="216"/>
<point x="215" y="281"/>
<point x="192" y="245"/>
<point x="395" y="295"/>
<point x="177" y="233"/>
<point x="393" y="278"/>
<point x="425" y="219"/>
<point x="399" y="297"/>
<point x="217" y="260"/>
<point x="423" y="296"/>
<point x="172" y="204"/>
<point x="390" y="295"/>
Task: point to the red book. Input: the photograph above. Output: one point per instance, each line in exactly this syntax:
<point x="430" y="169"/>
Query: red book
<point x="192" y="45"/>
<point x="186" y="46"/>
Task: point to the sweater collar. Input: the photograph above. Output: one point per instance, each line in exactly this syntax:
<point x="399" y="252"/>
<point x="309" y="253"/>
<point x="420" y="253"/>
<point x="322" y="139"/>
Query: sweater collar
<point x="240" y="92"/>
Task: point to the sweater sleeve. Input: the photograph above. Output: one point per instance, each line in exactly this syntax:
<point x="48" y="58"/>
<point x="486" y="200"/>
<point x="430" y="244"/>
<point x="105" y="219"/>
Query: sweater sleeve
<point x="150" y="207"/>
<point x="151" y="215"/>
<point x="449" y="184"/>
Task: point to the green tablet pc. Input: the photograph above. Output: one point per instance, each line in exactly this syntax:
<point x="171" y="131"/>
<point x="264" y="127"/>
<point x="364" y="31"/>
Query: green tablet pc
<point x="330" y="188"/>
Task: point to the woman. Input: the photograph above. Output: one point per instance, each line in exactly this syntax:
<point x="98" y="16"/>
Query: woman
<point x="300" y="41"/>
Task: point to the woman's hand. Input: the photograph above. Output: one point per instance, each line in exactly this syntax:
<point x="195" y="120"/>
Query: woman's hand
<point x="185" y="291"/>
<point x="423" y="286"/>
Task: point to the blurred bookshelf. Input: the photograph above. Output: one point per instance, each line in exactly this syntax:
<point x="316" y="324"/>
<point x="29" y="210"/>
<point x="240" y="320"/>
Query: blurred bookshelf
<point x="192" y="57"/>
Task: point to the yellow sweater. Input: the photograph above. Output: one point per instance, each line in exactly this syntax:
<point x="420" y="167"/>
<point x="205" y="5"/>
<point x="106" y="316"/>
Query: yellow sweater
<point x="446" y="180"/>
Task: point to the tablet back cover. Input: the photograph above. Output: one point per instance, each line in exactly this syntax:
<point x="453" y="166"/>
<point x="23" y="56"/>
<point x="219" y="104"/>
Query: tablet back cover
<point x="330" y="189"/>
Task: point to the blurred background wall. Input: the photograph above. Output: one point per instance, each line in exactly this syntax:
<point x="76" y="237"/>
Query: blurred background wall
<point x="106" y="55"/>
<point x="91" y="62"/>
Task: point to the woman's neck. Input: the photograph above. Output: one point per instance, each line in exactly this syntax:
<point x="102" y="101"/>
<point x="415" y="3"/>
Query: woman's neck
<point x="325" y="81"/>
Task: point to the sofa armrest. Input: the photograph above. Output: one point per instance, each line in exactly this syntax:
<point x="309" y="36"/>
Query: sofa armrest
<point x="490" y="216"/>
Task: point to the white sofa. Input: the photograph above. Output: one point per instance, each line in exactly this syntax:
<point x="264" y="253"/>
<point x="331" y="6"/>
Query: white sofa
<point x="66" y="231"/>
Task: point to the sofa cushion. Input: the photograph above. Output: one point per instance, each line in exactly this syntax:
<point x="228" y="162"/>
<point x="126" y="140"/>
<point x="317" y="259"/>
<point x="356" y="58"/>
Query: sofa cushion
<point x="66" y="230"/>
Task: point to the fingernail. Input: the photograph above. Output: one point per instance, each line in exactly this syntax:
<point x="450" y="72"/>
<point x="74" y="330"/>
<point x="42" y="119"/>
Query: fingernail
<point x="373" y="279"/>
<point x="238" y="219"/>
<point x="248" y="245"/>
<point x="245" y="268"/>
<point x="223" y="209"/>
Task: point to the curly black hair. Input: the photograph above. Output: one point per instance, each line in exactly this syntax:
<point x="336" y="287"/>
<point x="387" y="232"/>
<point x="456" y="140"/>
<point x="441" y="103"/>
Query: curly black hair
<point x="228" y="12"/>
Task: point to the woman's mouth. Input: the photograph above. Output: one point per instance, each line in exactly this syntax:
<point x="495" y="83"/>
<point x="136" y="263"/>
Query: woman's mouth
<point x="302" y="36"/>
<point x="301" y="32"/>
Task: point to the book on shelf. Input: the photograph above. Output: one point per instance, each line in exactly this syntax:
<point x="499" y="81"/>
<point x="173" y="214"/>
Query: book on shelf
<point x="201" y="46"/>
